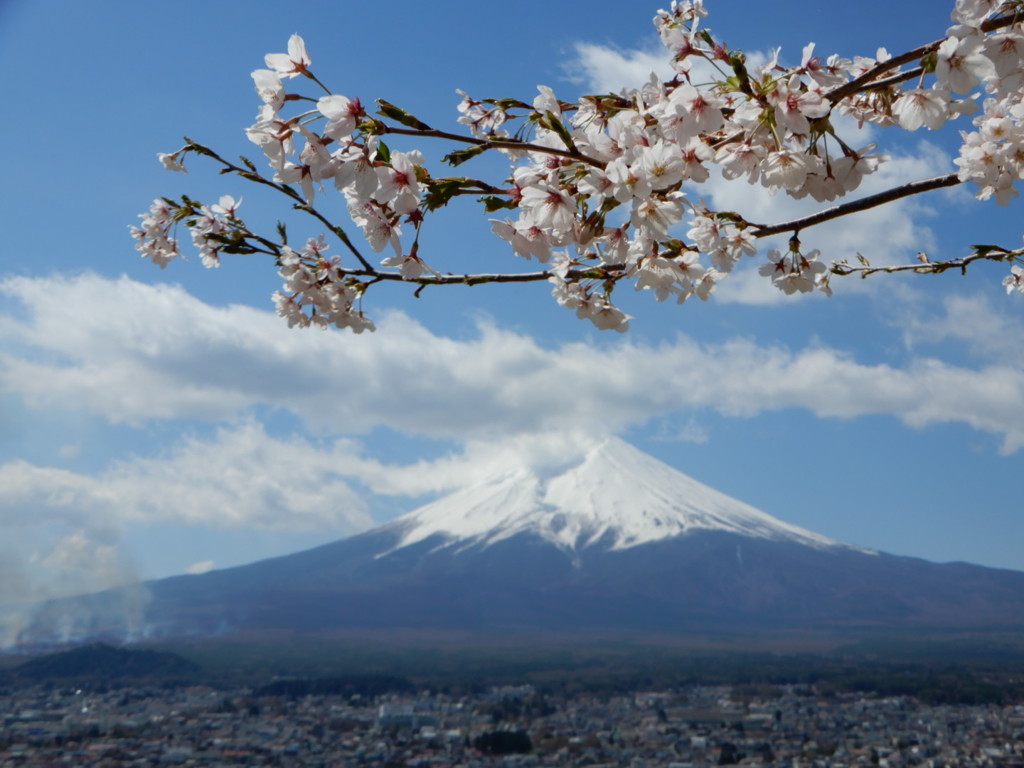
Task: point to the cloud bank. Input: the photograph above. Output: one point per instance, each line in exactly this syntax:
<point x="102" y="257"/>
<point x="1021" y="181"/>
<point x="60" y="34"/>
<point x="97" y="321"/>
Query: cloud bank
<point x="132" y="353"/>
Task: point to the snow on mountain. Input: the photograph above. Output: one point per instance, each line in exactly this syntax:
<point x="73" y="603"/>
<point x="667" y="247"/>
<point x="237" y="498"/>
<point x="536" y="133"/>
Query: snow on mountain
<point x="617" y="497"/>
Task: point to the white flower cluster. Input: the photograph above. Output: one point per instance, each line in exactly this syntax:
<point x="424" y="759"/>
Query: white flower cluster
<point x="153" y="239"/>
<point x="601" y="189"/>
<point x="322" y="288"/>
<point x="209" y="227"/>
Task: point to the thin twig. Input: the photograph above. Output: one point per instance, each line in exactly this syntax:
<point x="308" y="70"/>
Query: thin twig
<point x="300" y="202"/>
<point x="926" y="267"/>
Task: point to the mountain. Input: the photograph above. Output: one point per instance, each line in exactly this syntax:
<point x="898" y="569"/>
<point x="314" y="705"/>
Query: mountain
<point x="618" y="542"/>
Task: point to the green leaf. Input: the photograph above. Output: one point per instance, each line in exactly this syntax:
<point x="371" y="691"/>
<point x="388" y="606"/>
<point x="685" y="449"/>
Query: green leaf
<point x="387" y="109"/>
<point x="440" y="191"/>
<point x="929" y="60"/>
<point x="459" y="156"/>
<point x="551" y="121"/>
<point x="741" y="78"/>
<point x="372" y="127"/>
<point x="508" y="103"/>
<point x="983" y="250"/>
<point x="494" y="203"/>
<point x="238" y="248"/>
<point x="383" y="152"/>
<point x="282" y="232"/>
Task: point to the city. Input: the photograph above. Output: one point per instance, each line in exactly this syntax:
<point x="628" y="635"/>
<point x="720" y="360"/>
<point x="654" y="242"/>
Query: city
<point x="784" y="726"/>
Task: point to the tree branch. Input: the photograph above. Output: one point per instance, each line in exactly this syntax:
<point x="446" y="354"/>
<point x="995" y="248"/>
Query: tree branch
<point x="434" y="133"/>
<point x="602" y="272"/>
<point x="925" y="267"/>
<point x="865" y="203"/>
<point x="300" y="202"/>
<point x="866" y="80"/>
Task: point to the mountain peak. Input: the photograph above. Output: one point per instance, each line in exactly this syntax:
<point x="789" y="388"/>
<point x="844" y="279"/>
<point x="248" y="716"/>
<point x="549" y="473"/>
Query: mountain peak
<point x="615" y="497"/>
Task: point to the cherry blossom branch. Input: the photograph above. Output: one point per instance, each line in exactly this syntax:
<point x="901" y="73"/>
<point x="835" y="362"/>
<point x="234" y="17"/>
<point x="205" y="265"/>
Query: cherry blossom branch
<point x="603" y="190"/>
<point x="612" y="272"/>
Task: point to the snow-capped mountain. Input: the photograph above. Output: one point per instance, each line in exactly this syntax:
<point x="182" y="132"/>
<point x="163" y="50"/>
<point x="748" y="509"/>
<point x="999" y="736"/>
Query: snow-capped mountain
<point x="617" y="542"/>
<point x="617" y="497"/>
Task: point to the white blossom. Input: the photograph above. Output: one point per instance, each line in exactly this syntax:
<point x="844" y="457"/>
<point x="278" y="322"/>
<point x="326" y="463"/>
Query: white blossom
<point x="293" y="63"/>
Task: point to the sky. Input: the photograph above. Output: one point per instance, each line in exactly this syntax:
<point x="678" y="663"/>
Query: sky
<point x="155" y="422"/>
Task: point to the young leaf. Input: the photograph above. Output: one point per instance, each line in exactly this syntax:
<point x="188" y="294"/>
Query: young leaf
<point x="551" y="122"/>
<point x="459" y="156"/>
<point x="440" y="191"/>
<point x="493" y="203"/>
<point x="387" y="109"/>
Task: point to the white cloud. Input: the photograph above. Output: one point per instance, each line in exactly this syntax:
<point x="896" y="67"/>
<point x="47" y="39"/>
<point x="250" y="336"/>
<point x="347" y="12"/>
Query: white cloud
<point x="66" y="526"/>
<point x="689" y="432"/>
<point x="476" y="460"/>
<point x="972" y="321"/>
<point x="187" y="359"/>
<point x="602" y="69"/>
<point x="240" y="478"/>
<point x="204" y="566"/>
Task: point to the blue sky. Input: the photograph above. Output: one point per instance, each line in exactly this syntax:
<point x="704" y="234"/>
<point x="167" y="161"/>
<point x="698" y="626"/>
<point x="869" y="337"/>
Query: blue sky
<point x="155" y="421"/>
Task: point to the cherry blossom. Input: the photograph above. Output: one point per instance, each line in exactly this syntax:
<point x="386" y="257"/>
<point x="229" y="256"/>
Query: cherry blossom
<point x="397" y="183"/>
<point x="794" y="105"/>
<point x="171" y="161"/>
<point x="295" y="62"/>
<point x="269" y="88"/>
<point x="341" y="112"/>
<point x="1015" y="280"/>
<point x="795" y="272"/>
<point x="547" y="206"/>
<point x="153" y="239"/>
<point x="960" y="63"/>
<point x="226" y="206"/>
<point x="928" y="107"/>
